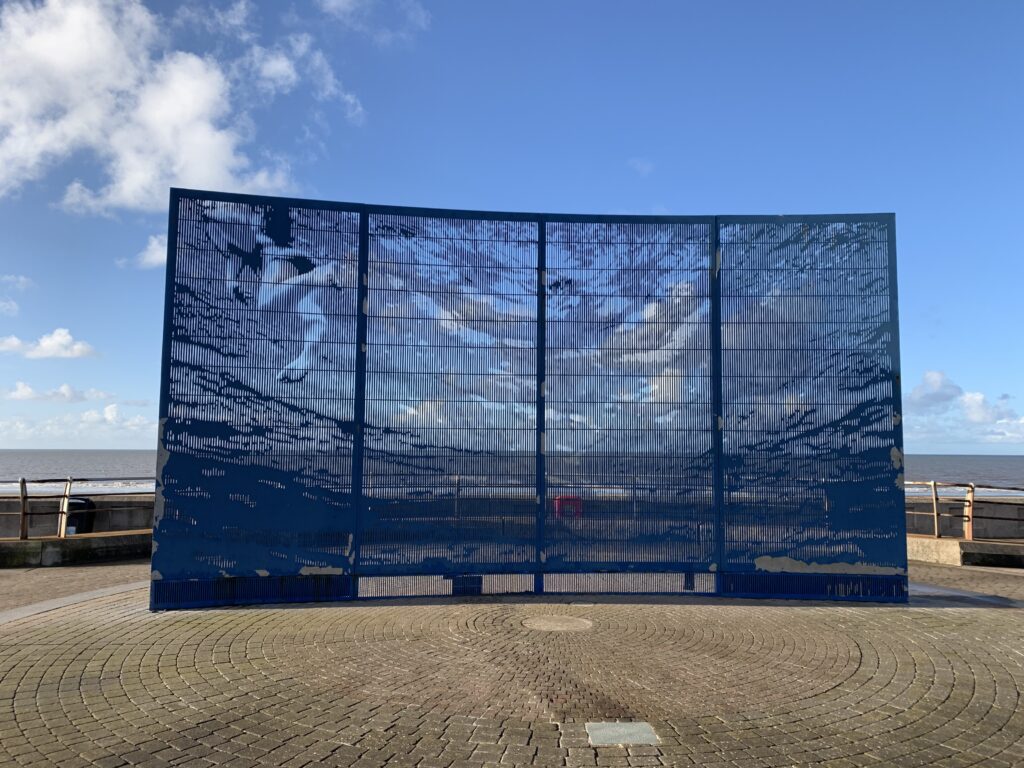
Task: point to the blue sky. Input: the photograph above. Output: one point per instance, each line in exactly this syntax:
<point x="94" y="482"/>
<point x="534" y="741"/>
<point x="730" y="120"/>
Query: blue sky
<point x="658" y="107"/>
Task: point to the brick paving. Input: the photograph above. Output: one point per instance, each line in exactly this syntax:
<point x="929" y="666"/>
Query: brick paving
<point x="513" y="681"/>
<point x="25" y="586"/>
<point x="1004" y="582"/>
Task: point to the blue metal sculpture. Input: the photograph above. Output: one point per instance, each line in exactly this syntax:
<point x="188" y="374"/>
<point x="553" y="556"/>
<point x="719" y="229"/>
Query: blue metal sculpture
<point x="373" y="401"/>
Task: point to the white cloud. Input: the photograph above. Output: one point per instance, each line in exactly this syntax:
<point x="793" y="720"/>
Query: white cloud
<point x="940" y="412"/>
<point x="641" y="165"/>
<point x="64" y="393"/>
<point x="416" y="16"/>
<point x="274" y="71"/>
<point x="385" y="23"/>
<point x="979" y="410"/>
<point x="107" y="427"/>
<point x="935" y="390"/>
<point x="59" y="343"/>
<point x="344" y="9"/>
<point x="90" y="75"/>
<point x="326" y="86"/>
<point x="18" y="282"/>
<point x="281" y="68"/>
<point x="61" y="67"/>
<point x="172" y="138"/>
<point x="109" y="415"/>
<point x="9" y="306"/>
<point x="21" y="391"/>
<point x="152" y="256"/>
<point x="236" y="16"/>
<point x="235" y="20"/>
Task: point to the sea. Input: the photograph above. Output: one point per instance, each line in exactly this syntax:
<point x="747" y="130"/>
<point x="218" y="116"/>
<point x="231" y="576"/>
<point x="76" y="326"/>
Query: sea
<point x="107" y="470"/>
<point x="134" y="470"/>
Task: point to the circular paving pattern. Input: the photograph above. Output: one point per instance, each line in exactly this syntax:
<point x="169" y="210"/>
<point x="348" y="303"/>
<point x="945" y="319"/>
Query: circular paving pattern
<point x="557" y="623"/>
<point x="513" y="681"/>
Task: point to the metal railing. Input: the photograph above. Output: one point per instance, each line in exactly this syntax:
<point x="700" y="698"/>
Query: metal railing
<point x="63" y="508"/>
<point x="969" y="515"/>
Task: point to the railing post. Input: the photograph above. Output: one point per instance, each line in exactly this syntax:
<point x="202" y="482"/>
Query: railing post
<point x="935" y="510"/>
<point x="62" y="518"/>
<point x="23" y="493"/>
<point x="969" y="514"/>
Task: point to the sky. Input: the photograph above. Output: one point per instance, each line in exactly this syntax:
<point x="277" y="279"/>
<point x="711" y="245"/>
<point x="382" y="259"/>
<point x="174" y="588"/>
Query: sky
<point x="576" y="106"/>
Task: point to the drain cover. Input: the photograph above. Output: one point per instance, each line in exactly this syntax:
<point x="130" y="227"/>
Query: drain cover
<point x="557" y="623"/>
<point x="611" y="734"/>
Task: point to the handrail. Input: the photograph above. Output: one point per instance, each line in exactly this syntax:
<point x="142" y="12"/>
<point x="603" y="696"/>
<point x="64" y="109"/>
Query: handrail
<point x="943" y="484"/>
<point x="64" y="505"/>
<point x="968" y="500"/>
<point x="41" y="480"/>
<point x="64" y="500"/>
<point x="17" y="480"/>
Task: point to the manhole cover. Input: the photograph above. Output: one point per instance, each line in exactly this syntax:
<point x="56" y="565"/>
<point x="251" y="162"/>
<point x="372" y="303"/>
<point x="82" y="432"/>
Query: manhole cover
<point x="609" y="734"/>
<point x="557" y="623"/>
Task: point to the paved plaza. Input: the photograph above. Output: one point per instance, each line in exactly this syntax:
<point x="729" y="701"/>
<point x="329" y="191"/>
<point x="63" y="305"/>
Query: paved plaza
<point x="93" y="678"/>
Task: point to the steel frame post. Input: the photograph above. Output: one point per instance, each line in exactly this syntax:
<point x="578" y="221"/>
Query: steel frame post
<point x="718" y="477"/>
<point x="359" y="403"/>
<point x="894" y="358"/>
<point x="542" y="491"/>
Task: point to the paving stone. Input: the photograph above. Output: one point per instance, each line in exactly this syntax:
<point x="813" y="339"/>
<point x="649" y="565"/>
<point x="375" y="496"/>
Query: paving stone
<point x="25" y="586"/>
<point x="621" y="733"/>
<point x="468" y="683"/>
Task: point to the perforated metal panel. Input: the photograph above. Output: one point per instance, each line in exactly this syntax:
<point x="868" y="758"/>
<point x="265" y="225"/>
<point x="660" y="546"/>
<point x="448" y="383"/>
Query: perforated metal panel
<point x="813" y="462"/>
<point x="256" y="432"/>
<point x="363" y="401"/>
<point x="451" y="417"/>
<point x="628" y="420"/>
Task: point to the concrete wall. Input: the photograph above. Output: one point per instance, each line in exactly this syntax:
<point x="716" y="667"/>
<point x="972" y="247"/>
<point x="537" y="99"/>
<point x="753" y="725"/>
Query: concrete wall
<point x="951" y="523"/>
<point x="87" y="548"/>
<point x="113" y="513"/>
<point x="959" y="552"/>
<point x="999" y="529"/>
<point x="919" y="517"/>
<point x="929" y="550"/>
